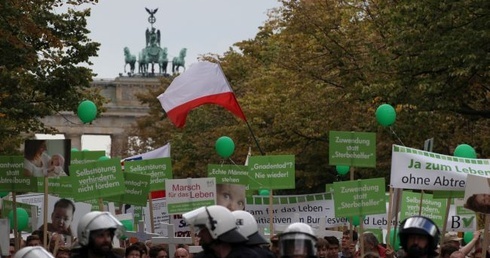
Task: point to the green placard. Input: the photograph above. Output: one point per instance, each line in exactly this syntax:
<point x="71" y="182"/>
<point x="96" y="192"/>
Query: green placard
<point x="12" y="177"/>
<point x="159" y="170"/>
<point x="59" y="186"/>
<point x="329" y="188"/>
<point x="432" y="208"/>
<point x="229" y="174"/>
<point x="447" y="194"/>
<point x="97" y="179"/>
<point x="353" y="149"/>
<point x="359" y="197"/>
<point x="136" y="192"/>
<point x="271" y="172"/>
<point x="83" y="157"/>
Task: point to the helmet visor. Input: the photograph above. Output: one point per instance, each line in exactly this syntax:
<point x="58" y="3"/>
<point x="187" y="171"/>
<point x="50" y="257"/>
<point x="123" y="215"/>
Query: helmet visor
<point x="297" y="244"/>
<point x="421" y="223"/>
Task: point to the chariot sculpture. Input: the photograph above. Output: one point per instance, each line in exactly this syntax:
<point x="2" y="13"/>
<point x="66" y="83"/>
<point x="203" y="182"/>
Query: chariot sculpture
<point x="153" y="54"/>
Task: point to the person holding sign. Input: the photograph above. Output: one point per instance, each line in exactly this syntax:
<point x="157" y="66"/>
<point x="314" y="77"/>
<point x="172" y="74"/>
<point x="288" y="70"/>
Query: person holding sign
<point x="218" y="233"/>
<point x="419" y="237"/>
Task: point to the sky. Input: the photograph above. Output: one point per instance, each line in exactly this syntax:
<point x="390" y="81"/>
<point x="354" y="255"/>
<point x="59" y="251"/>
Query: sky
<point x="201" y="26"/>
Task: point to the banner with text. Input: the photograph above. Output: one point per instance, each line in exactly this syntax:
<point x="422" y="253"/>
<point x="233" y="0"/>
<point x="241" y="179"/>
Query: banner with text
<point x="137" y="188"/>
<point x="417" y="169"/>
<point x="184" y="195"/>
<point x="359" y="197"/>
<point x="12" y="176"/>
<point x="97" y="179"/>
<point x="271" y="172"/>
<point x="432" y="208"/>
<point x="355" y="149"/>
<point x="159" y="169"/>
<point x="60" y="186"/>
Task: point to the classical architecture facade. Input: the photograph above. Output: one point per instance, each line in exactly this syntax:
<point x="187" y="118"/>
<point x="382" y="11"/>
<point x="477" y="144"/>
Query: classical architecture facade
<point x="122" y="111"/>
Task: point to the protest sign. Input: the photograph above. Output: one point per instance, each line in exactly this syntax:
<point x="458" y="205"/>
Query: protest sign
<point x="417" y="169"/>
<point x="159" y="169"/>
<point x="137" y="188"/>
<point x="184" y="195"/>
<point x="61" y="186"/>
<point x="229" y="174"/>
<point x="310" y="209"/>
<point x="160" y="215"/>
<point x="359" y="197"/>
<point x="477" y="194"/>
<point x="97" y="179"/>
<point x="431" y="208"/>
<point x="355" y="149"/>
<point x="271" y="172"/>
<point x="83" y="157"/>
<point x="12" y="176"/>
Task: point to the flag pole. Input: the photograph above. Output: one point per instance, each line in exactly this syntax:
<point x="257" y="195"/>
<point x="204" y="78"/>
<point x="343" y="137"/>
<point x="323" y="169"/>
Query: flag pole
<point x="255" y="139"/>
<point x="248" y="125"/>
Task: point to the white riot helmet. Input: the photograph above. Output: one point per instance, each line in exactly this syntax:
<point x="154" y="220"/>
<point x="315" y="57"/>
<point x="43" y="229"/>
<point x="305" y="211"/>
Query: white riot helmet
<point x="97" y="220"/>
<point x="33" y="252"/>
<point x="247" y="226"/>
<point x="297" y="239"/>
<point x="219" y="221"/>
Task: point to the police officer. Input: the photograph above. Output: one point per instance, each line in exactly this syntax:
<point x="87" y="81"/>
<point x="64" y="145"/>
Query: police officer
<point x="247" y="226"/>
<point x="33" y="252"/>
<point x="419" y="237"/>
<point x="297" y="241"/>
<point x="96" y="231"/>
<point x="218" y="233"/>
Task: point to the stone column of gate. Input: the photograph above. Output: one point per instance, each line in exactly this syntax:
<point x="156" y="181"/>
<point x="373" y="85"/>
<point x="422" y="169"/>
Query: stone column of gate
<point x="76" y="140"/>
<point x="118" y="141"/>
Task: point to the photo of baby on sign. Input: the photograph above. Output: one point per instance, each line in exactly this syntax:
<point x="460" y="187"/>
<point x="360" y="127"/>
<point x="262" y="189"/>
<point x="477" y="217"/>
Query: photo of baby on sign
<point x="46" y="158"/>
<point x="477" y="194"/>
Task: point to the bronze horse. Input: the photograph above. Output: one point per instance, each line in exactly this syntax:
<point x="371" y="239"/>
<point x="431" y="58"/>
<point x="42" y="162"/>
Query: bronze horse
<point x="129" y="59"/>
<point x="179" y="61"/>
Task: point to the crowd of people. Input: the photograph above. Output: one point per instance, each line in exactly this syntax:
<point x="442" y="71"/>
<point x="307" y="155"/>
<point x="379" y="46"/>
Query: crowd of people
<point x="235" y="234"/>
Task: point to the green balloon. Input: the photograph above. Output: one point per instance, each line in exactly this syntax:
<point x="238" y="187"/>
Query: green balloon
<point x="128" y="225"/>
<point x="264" y="192"/>
<point x="22" y="219"/>
<point x="102" y="158"/>
<point x="467" y="237"/>
<point x="3" y="194"/>
<point x="355" y="220"/>
<point x="342" y="170"/>
<point x="225" y="146"/>
<point x="74" y="149"/>
<point x="395" y="243"/>
<point x="385" y="115"/>
<point x="87" y="111"/>
<point x="465" y="151"/>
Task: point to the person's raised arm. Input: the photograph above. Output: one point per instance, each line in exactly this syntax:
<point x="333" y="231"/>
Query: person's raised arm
<point x="469" y="246"/>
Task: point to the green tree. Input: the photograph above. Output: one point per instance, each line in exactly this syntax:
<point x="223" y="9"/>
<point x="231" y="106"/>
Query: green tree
<point x="317" y="66"/>
<point x="44" y="53"/>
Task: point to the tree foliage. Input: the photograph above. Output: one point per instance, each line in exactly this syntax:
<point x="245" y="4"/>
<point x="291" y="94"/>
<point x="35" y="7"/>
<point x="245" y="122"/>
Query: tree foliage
<point x="323" y="65"/>
<point x="44" y="53"/>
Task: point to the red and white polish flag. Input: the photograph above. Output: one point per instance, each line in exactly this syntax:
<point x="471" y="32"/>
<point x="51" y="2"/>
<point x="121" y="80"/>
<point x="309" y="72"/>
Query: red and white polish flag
<point x="202" y="83"/>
